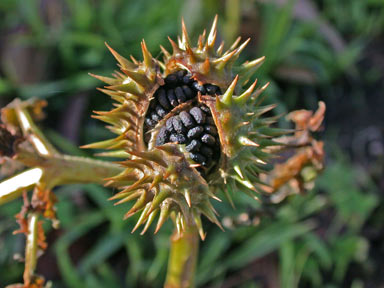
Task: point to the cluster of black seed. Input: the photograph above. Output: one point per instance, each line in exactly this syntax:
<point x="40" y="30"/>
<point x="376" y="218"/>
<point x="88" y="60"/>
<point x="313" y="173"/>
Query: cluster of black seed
<point x="178" y="88"/>
<point x="196" y="129"/>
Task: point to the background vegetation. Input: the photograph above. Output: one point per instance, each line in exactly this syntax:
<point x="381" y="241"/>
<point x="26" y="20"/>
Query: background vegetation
<point x="316" y="50"/>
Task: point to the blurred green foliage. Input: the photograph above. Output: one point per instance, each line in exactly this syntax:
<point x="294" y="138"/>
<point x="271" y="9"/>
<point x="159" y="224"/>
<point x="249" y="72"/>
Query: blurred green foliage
<point x="312" y="49"/>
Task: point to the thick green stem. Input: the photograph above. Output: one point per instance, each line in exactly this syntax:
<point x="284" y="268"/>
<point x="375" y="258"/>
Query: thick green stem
<point x="72" y="169"/>
<point x="55" y="170"/>
<point x="183" y="258"/>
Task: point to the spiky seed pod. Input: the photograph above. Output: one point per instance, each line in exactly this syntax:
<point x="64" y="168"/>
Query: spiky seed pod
<point x="184" y="131"/>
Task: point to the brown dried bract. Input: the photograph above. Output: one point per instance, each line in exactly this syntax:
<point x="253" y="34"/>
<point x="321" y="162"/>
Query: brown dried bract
<point x="21" y="217"/>
<point x="44" y="200"/>
<point x="22" y="220"/>
<point x="37" y="282"/>
<point x="306" y="122"/>
<point x="306" y="158"/>
<point x="9" y="117"/>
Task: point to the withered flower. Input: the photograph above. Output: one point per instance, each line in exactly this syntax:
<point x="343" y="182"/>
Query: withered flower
<point x="301" y="156"/>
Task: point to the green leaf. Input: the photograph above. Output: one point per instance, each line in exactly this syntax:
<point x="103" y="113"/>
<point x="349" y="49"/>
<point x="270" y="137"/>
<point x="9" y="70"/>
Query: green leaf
<point x="101" y="251"/>
<point x="69" y="273"/>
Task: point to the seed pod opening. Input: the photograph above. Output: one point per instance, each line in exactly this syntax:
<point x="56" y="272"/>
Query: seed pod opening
<point x="188" y="133"/>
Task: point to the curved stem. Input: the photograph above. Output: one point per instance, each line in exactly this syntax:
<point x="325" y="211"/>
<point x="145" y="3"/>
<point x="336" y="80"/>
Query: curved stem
<point x="183" y="258"/>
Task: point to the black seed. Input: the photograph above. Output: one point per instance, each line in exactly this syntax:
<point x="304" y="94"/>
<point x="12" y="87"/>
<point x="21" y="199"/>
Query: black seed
<point x="169" y="125"/>
<point x="178" y="138"/>
<point x="187" y="119"/>
<point x="180" y="95"/>
<point x="210" y="120"/>
<point x="173" y="138"/>
<point x="197" y="157"/>
<point x="162" y="97"/>
<point x="199" y="88"/>
<point x="180" y="75"/>
<point x="160" y="111"/>
<point x="205" y="109"/>
<point x="187" y="79"/>
<point x="195" y="132"/>
<point x="198" y="115"/>
<point x="211" y="129"/>
<point x="194" y="128"/>
<point x="212" y="89"/>
<point x="208" y="139"/>
<point x="181" y="139"/>
<point x="150" y="123"/>
<point x="171" y="79"/>
<point x="155" y="117"/>
<point x="206" y="151"/>
<point x="178" y="125"/>
<point x="193" y="146"/>
<point x="188" y="92"/>
<point x="172" y="98"/>
<point x="162" y="137"/>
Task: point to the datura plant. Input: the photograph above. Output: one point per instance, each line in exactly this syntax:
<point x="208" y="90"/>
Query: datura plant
<point x="189" y="128"/>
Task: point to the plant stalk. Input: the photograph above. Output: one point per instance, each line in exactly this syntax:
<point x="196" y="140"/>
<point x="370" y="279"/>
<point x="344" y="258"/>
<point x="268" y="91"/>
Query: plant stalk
<point x="56" y="170"/>
<point x="183" y="258"/>
<point x="31" y="248"/>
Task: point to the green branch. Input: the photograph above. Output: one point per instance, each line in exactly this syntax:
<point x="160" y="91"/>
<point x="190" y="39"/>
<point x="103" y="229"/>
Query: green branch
<point x="182" y="259"/>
